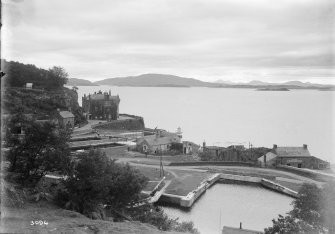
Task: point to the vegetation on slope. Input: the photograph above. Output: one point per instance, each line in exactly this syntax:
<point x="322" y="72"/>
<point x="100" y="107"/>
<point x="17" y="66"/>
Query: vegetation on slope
<point x="18" y="74"/>
<point x="313" y="212"/>
<point x="47" y="95"/>
<point x="41" y="149"/>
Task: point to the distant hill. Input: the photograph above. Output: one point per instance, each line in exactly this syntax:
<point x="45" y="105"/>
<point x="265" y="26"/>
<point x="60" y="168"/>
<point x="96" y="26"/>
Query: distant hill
<point x="155" y="80"/>
<point x="79" y="82"/>
<point x="163" y="80"/>
<point x="262" y="84"/>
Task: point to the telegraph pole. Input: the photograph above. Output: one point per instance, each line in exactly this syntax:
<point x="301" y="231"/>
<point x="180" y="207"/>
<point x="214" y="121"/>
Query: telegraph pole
<point x="251" y="151"/>
<point x="161" y="168"/>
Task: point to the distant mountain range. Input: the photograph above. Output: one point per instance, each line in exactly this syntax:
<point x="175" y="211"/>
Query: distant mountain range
<point x="160" y="80"/>
<point x="262" y="83"/>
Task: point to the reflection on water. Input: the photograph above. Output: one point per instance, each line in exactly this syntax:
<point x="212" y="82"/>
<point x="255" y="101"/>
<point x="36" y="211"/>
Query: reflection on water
<point x="254" y="206"/>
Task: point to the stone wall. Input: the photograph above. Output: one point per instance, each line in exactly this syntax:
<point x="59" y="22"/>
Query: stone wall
<point x="213" y="163"/>
<point x="133" y="123"/>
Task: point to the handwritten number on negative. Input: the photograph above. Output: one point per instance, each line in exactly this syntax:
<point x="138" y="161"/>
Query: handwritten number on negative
<point x="39" y="222"/>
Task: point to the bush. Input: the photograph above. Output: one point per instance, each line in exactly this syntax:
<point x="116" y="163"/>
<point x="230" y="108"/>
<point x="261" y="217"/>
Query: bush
<point x="155" y="215"/>
<point x="97" y="181"/>
<point x="42" y="148"/>
<point x="313" y="212"/>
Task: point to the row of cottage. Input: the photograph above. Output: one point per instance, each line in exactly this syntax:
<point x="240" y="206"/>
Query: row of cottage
<point x="163" y="141"/>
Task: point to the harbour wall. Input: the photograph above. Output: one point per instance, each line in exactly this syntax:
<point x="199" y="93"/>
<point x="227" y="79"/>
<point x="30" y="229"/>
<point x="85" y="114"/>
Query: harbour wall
<point x="188" y="200"/>
<point x="132" y="122"/>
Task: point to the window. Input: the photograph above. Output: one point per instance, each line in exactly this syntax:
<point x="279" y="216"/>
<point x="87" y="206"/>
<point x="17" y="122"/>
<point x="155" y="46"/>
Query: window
<point x="299" y="165"/>
<point x="288" y="164"/>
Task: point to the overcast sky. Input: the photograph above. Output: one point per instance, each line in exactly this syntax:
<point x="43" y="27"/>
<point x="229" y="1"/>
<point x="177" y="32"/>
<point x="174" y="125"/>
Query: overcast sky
<point x="238" y="40"/>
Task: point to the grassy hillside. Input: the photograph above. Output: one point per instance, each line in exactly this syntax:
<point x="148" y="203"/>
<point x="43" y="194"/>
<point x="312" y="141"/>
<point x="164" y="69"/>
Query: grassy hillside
<point x="42" y="103"/>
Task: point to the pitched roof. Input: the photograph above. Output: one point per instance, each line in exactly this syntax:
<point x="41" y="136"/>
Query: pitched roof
<point x="66" y="114"/>
<point x="291" y="152"/>
<point x="232" y="230"/>
<point x="159" y="141"/>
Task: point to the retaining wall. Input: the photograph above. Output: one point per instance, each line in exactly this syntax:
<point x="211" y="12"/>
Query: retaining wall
<point x="190" y="198"/>
<point x="211" y="163"/>
<point x="240" y="178"/>
<point x="135" y="123"/>
<point x="82" y="132"/>
<point x="279" y="188"/>
<point x="94" y="145"/>
<point x="170" y="198"/>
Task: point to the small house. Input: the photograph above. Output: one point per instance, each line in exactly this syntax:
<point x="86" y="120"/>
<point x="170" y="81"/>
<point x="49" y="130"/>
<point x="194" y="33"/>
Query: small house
<point x="159" y="142"/>
<point x="65" y="119"/>
<point x="299" y="157"/>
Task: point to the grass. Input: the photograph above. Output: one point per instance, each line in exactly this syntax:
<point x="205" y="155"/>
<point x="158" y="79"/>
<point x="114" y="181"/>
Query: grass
<point x="188" y="182"/>
<point x="153" y="173"/>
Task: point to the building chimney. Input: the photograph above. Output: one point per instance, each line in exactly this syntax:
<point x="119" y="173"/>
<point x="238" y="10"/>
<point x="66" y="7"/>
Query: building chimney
<point x="204" y="144"/>
<point x="110" y="93"/>
<point x="305" y="146"/>
<point x="274" y="146"/>
<point x="240" y="225"/>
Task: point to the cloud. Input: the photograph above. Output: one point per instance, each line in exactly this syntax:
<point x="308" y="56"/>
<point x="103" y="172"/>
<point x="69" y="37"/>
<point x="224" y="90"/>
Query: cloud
<point x="199" y="38"/>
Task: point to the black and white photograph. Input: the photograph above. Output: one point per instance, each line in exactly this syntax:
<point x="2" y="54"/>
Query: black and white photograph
<point x="167" y="116"/>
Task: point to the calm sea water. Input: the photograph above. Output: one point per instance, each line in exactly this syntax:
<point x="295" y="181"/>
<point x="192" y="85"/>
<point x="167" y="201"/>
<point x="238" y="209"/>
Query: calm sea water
<point x="255" y="207"/>
<point x="224" y="116"/>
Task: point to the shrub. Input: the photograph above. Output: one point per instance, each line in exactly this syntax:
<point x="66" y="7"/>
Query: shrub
<point x="313" y="212"/>
<point x="155" y="215"/>
<point x="97" y="180"/>
<point x="42" y="148"/>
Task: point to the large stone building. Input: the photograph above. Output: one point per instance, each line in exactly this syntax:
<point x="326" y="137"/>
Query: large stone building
<point x="102" y="106"/>
<point x="299" y="157"/>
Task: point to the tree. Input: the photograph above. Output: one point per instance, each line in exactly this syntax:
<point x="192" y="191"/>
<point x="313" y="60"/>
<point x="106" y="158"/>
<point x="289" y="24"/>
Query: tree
<point x="328" y="203"/>
<point x="97" y="180"/>
<point x="57" y="77"/>
<point x="308" y="206"/>
<point x="155" y="215"/>
<point x="40" y="147"/>
<point x="75" y="89"/>
<point x="313" y="212"/>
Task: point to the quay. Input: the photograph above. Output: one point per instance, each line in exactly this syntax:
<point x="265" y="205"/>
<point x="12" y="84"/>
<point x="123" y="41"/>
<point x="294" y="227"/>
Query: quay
<point x="188" y="200"/>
